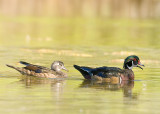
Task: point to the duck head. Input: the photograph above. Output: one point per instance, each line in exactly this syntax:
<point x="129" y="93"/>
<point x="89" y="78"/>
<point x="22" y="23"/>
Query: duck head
<point x="132" y="61"/>
<point x="57" y="66"/>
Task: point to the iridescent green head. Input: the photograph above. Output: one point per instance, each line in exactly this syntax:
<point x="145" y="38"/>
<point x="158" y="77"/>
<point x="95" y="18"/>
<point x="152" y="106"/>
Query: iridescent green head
<point x="132" y="61"/>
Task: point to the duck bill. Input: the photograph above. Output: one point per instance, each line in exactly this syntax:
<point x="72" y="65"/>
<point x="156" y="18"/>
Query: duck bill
<point x="65" y="69"/>
<point x="140" y="65"/>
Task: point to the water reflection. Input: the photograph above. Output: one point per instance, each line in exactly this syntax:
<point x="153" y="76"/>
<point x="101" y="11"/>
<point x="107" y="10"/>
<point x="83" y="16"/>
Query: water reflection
<point x="56" y="85"/>
<point x="31" y="80"/>
<point x="125" y="86"/>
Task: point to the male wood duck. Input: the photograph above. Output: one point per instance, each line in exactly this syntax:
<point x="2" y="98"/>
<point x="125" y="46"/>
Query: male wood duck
<point x="40" y="71"/>
<point x="111" y="73"/>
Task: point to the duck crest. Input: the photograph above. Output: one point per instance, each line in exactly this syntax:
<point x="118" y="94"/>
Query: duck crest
<point x="111" y="73"/>
<point x="132" y="61"/>
<point x="129" y="61"/>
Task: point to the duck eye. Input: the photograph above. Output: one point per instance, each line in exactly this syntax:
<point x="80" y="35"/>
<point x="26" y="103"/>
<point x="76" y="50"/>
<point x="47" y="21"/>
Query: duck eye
<point x="135" y="62"/>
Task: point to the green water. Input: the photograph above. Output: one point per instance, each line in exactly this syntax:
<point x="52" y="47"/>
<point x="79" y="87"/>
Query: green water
<point x="90" y="42"/>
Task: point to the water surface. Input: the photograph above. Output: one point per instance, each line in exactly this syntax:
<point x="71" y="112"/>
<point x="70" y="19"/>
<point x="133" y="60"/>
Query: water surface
<point x="83" y="42"/>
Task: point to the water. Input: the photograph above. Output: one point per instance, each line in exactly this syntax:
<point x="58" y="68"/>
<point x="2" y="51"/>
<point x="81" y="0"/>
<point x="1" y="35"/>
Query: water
<point x="83" y="42"/>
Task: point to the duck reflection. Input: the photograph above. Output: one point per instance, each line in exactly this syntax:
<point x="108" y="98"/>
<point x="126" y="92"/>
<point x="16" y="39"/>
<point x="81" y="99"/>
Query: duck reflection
<point x="56" y="84"/>
<point x="125" y="86"/>
<point x="53" y="87"/>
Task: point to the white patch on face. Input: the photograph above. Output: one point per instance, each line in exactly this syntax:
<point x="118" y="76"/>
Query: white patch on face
<point x="56" y="63"/>
<point x="58" y="69"/>
<point x="131" y="66"/>
<point x="55" y="66"/>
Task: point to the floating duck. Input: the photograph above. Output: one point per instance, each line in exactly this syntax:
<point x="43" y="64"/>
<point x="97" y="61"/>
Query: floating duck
<point x="40" y="71"/>
<point x="111" y="73"/>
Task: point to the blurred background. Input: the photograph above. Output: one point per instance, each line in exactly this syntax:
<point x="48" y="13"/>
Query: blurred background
<point x="84" y="32"/>
<point x="80" y="22"/>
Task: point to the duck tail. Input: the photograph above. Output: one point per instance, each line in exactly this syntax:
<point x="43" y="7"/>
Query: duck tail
<point x="16" y="68"/>
<point x="24" y="63"/>
<point x="85" y="71"/>
<point x="77" y="67"/>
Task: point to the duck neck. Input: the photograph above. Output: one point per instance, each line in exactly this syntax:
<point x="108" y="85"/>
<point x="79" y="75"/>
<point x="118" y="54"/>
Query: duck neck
<point x="127" y="74"/>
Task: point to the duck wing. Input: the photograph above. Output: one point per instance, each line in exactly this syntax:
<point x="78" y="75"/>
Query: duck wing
<point x="107" y="72"/>
<point x="104" y="72"/>
<point x="35" y="68"/>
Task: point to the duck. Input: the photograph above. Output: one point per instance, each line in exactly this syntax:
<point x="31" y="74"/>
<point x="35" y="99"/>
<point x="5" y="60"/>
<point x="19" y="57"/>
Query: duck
<point x="109" y="74"/>
<point x="40" y="71"/>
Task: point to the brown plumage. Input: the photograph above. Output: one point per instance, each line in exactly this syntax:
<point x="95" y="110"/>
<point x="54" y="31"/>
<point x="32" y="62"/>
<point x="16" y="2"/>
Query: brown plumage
<point x="111" y="73"/>
<point x="40" y="71"/>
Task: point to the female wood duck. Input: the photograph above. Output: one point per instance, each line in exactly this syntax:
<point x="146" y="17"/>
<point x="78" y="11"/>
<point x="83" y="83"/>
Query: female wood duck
<point x="40" y="71"/>
<point x="111" y="73"/>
